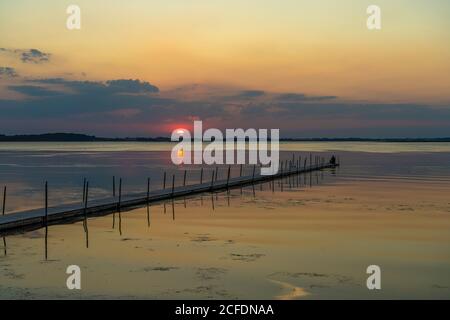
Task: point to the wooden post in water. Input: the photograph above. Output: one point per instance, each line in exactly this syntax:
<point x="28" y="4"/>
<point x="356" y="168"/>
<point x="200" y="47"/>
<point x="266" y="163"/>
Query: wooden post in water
<point x="148" y="190"/>
<point x="4" y="201"/>
<point x="212" y="180"/>
<point x="164" y="183"/>
<point x="201" y="176"/>
<point x="173" y="184"/>
<point x="240" y="171"/>
<point x="228" y="176"/>
<point x="253" y="176"/>
<point x="84" y="190"/>
<point x="184" y="178"/>
<point x="114" y="186"/>
<point x="85" y="215"/>
<point x="217" y="171"/>
<point x="46" y="202"/>
<point x="86" y="203"/>
<point x="120" y="194"/>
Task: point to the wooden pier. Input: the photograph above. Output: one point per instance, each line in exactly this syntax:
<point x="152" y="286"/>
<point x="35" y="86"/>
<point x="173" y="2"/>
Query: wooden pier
<point x="31" y="219"/>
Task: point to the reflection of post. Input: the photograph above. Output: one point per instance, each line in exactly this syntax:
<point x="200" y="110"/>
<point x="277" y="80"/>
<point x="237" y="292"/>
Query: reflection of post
<point x="46" y="242"/>
<point x="148" y="200"/>
<point x="46" y="221"/>
<point x="3" y="213"/>
<point x="119" y="206"/>
<point x="120" y="223"/>
<point x="173" y="210"/>
<point x="148" y="215"/>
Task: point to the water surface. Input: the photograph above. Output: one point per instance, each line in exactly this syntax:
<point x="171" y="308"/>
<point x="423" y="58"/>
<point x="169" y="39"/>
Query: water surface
<point x="313" y="238"/>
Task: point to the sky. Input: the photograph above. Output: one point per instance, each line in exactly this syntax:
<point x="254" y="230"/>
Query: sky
<point x="146" y="67"/>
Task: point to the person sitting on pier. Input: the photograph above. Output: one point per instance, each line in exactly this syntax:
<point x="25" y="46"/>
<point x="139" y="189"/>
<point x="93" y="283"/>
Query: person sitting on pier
<point x="333" y="160"/>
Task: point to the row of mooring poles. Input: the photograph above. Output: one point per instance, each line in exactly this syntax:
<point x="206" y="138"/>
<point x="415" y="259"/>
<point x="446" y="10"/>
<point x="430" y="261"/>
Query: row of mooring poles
<point x="284" y="165"/>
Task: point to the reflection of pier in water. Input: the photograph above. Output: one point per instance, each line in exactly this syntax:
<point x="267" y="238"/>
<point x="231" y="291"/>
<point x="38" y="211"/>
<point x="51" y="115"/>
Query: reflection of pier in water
<point x="289" y="177"/>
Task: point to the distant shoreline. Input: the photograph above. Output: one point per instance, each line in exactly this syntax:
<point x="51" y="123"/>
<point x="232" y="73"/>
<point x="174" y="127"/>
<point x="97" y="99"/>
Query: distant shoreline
<point x="74" y="137"/>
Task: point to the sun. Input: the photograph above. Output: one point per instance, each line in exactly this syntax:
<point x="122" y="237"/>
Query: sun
<point x="180" y="131"/>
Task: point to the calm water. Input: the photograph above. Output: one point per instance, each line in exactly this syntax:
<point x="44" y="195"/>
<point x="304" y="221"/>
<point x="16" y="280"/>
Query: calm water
<point x="387" y="205"/>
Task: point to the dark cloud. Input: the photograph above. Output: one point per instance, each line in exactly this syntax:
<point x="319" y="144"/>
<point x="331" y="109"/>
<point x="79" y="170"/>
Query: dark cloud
<point x="130" y="102"/>
<point x="35" y="91"/>
<point x="104" y="100"/>
<point x="109" y="87"/>
<point x="132" y="86"/>
<point x="34" y="56"/>
<point x="8" y="72"/>
<point x="250" y="94"/>
<point x="28" y="55"/>
<point x="295" y="97"/>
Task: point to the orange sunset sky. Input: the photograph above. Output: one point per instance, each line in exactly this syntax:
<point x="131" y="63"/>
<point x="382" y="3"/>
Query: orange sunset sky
<point x="310" y="68"/>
